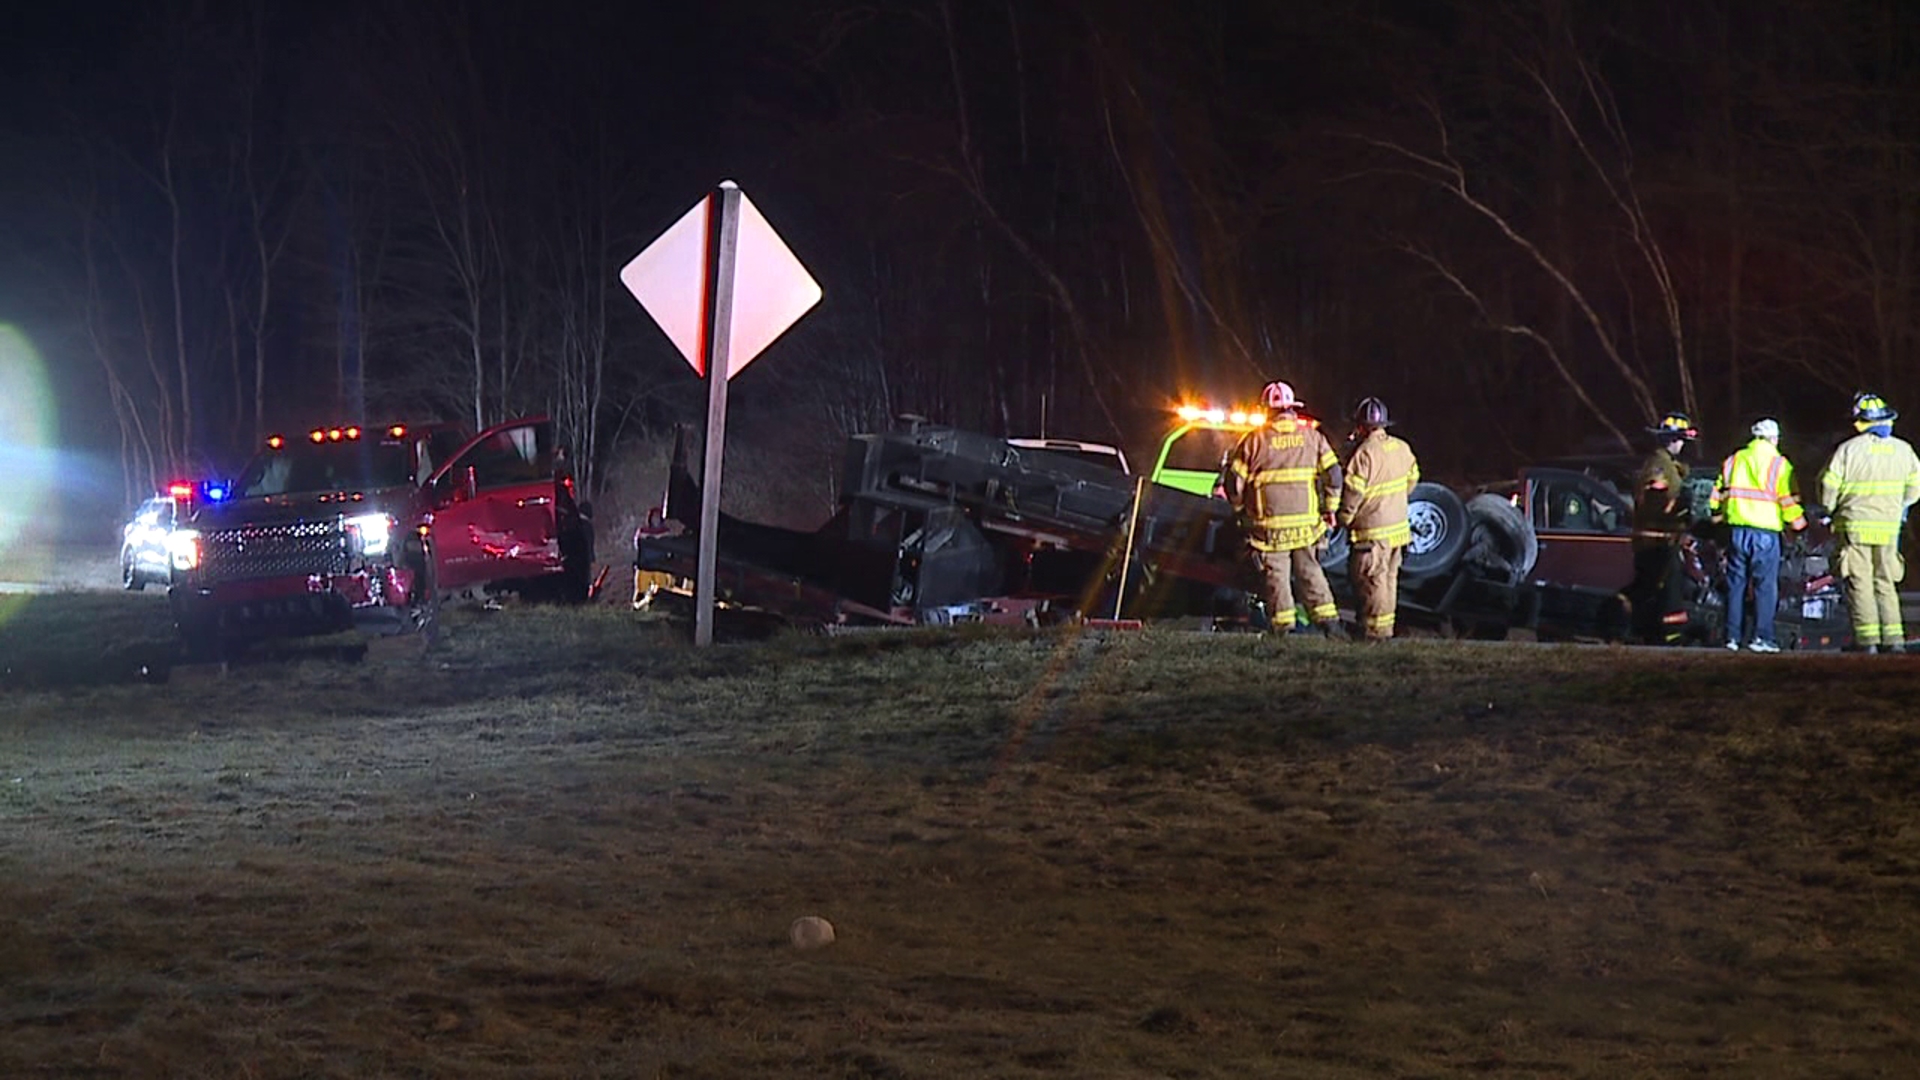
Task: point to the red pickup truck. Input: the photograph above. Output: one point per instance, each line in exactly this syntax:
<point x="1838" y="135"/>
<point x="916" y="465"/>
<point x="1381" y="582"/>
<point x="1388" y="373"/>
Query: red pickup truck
<point x="359" y="525"/>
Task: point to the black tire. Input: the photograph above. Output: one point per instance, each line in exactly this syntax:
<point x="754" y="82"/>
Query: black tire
<point x="1440" y="531"/>
<point x="130" y="578"/>
<point x="1500" y="543"/>
<point x="576" y="578"/>
<point x="202" y="644"/>
<point x="423" y="608"/>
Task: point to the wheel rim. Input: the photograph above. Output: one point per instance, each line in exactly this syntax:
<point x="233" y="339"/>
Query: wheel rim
<point x="1429" y="525"/>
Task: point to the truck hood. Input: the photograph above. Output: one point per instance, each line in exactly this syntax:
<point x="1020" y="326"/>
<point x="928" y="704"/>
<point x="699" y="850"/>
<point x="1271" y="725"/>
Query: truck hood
<point x="303" y="506"/>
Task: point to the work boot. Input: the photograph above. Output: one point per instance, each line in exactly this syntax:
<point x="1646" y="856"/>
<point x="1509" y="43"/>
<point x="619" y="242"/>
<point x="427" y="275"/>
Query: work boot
<point x="1335" y="630"/>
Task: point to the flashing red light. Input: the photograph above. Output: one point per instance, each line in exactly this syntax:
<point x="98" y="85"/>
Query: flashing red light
<point x="180" y="490"/>
<point x="275" y="442"/>
<point x="398" y="431"/>
<point x="353" y="433"/>
<point x="333" y="435"/>
<point x="317" y="435"/>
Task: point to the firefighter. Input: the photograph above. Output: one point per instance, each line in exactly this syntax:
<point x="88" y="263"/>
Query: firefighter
<point x="1657" y="594"/>
<point x="1867" y="488"/>
<point x="1380" y="475"/>
<point x="1754" y="495"/>
<point x="1284" y="482"/>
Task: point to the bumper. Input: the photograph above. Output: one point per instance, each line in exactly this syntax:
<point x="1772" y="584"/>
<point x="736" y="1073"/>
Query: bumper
<point x="293" y="606"/>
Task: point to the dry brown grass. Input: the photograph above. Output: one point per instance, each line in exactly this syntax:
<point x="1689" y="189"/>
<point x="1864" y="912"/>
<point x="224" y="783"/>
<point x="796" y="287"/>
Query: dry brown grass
<point x="565" y="844"/>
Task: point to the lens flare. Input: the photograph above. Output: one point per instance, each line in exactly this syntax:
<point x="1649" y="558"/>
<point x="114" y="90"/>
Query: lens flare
<point x="28" y="525"/>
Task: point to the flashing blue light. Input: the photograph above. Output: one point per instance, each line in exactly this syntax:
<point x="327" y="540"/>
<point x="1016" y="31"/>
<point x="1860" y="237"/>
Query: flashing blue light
<point x="216" y="492"/>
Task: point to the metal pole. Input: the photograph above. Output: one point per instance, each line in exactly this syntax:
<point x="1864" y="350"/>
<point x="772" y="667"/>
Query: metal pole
<point x="1126" y="562"/>
<point x="726" y="248"/>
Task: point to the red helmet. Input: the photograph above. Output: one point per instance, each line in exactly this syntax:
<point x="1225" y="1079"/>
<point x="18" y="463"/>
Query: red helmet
<point x="1279" y="396"/>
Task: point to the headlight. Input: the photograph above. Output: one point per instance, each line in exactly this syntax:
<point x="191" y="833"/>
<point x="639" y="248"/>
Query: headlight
<point x="183" y="549"/>
<point x="374" y="530"/>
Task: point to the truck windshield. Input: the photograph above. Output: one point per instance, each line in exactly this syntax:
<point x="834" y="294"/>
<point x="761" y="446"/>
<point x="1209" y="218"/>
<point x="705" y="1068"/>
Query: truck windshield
<point x="1202" y="449"/>
<point x="341" y="466"/>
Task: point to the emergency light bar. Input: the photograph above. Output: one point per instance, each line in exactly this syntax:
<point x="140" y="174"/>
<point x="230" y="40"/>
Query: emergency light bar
<point x="1198" y="414"/>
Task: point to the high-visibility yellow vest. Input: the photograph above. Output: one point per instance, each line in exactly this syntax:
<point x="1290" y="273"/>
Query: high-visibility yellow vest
<point x="1756" y="488"/>
<point x="1868" y="485"/>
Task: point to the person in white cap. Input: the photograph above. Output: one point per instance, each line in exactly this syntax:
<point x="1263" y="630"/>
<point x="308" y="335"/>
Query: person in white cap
<point x="1754" y="495"/>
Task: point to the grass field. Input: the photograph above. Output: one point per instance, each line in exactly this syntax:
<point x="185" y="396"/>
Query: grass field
<point x="563" y="843"/>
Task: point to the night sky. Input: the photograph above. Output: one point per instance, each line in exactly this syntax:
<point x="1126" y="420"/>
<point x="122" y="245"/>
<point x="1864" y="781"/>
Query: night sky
<point x="1526" y="226"/>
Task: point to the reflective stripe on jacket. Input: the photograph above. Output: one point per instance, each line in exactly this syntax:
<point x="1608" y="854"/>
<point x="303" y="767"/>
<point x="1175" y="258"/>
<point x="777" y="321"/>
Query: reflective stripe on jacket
<point x="1279" y="476"/>
<point x="1868" y="485"/>
<point x="1380" y="476"/>
<point x="1755" y="488"/>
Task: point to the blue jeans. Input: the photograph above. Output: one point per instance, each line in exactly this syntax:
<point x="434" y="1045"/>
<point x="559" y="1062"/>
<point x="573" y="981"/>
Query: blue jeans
<point x="1754" y="555"/>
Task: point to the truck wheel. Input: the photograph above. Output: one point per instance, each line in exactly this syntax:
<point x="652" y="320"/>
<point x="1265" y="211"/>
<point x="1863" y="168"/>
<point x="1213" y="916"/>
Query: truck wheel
<point x="202" y="644"/>
<point x="576" y="578"/>
<point x="1439" y="522"/>
<point x="1501" y="541"/>
<point x="130" y="578"/>
<point x="423" y="608"/>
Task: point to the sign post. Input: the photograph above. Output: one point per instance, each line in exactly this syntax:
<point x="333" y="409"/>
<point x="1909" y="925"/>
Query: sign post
<point x="723" y="286"/>
<point x="719" y="373"/>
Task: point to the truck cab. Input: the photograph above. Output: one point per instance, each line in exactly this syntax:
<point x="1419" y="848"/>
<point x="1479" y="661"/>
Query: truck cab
<point x="1192" y="453"/>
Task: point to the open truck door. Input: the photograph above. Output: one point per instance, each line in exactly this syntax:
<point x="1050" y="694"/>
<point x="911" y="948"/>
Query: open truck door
<point x="496" y="507"/>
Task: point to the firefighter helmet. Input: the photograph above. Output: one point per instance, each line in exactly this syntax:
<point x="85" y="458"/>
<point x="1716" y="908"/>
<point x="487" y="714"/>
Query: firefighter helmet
<point x="1674" y="425"/>
<point x="1278" y="397"/>
<point x="1371" y="412"/>
<point x="1870" y="409"/>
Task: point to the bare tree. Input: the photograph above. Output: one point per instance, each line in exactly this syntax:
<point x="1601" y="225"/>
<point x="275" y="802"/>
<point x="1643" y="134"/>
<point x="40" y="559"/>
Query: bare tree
<point x="1607" y="153"/>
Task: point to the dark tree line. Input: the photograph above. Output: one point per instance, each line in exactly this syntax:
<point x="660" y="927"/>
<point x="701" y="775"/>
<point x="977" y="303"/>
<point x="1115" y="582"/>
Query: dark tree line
<point x="1525" y="225"/>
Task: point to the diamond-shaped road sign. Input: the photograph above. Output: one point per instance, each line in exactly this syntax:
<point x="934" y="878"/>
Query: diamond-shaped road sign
<point x="771" y="289"/>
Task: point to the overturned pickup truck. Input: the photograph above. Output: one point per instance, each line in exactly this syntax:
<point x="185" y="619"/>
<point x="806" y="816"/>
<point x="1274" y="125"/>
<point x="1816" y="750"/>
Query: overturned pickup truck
<point x="1581" y="520"/>
<point x="941" y="525"/>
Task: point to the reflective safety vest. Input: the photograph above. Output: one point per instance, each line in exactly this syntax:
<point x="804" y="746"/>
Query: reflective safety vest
<point x="1755" y="488"/>
<point x="1380" y="476"/>
<point x="1279" y="476"/>
<point x="1868" y="485"/>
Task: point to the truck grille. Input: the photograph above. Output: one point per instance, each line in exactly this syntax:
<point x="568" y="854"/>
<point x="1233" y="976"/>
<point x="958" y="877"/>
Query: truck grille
<point x="259" y="551"/>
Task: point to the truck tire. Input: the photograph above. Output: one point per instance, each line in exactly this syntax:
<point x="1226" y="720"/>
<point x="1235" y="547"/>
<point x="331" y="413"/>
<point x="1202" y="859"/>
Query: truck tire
<point x="1500" y="542"/>
<point x="576" y="554"/>
<point x="1439" y="522"/>
<point x="201" y="643"/>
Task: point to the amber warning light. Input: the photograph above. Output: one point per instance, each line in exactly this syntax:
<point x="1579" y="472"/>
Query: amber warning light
<point x="1209" y="414"/>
